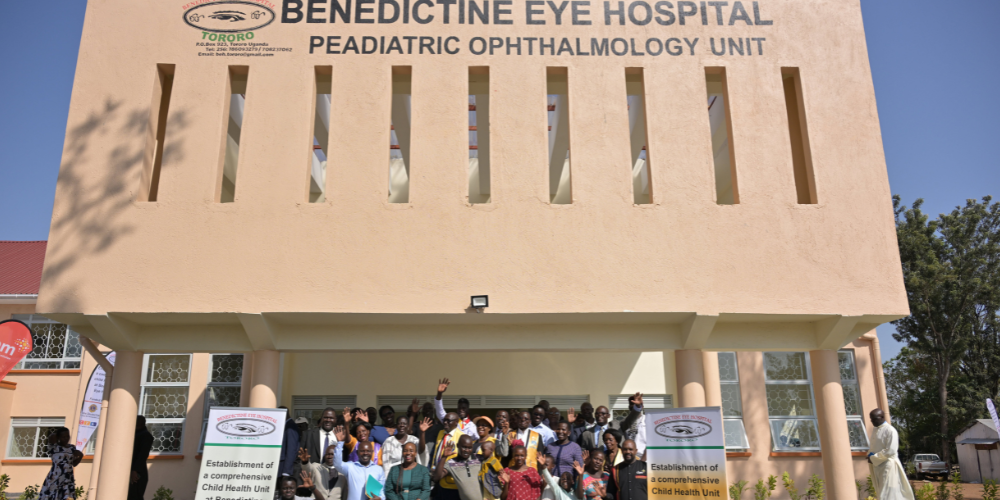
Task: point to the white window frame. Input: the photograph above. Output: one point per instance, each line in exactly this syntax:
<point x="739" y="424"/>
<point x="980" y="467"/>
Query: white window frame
<point x="210" y="384"/>
<point x="812" y="396"/>
<point x="739" y="392"/>
<point x="142" y="399"/>
<point x="38" y="423"/>
<point x="36" y="319"/>
<point x="857" y="383"/>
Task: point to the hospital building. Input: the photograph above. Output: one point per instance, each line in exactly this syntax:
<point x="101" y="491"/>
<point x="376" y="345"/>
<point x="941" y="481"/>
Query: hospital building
<point x="313" y="203"/>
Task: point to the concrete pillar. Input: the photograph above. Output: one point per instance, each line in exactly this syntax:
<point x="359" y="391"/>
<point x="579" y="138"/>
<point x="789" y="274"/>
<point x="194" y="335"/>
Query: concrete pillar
<point x="98" y="436"/>
<point x="690" y="367"/>
<point x="123" y="406"/>
<point x="264" y="379"/>
<point x="838" y="466"/>
<point x="713" y="389"/>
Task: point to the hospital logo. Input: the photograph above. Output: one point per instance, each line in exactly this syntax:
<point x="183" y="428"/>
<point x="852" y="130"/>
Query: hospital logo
<point x="92" y="408"/>
<point x="229" y="16"/>
<point x="683" y="429"/>
<point x="242" y="427"/>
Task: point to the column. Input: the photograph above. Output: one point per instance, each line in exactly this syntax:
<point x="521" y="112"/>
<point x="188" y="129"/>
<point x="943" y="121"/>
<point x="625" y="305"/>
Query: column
<point x="264" y="379"/>
<point x="690" y="367"/>
<point x="713" y="389"/>
<point x="838" y="467"/>
<point x="123" y="406"/>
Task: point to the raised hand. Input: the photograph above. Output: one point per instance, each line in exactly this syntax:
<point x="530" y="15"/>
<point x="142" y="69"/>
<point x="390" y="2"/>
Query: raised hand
<point x="443" y="384"/>
<point x="447" y="450"/>
<point x="504" y="476"/>
<point x="577" y="467"/>
<point x="303" y="455"/>
<point x="340" y="433"/>
<point x="505" y="426"/>
<point x="347" y="414"/>
<point x="415" y="406"/>
<point x="541" y="460"/>
<point x="426" y="424"/>
<point x="586" y="455"/>
<point x="571" y="415"/>
<point x="599" y="489"/>
<point x="307" y="481"/>
<point x="363" y="416"/>
<point x="637" y="398"/>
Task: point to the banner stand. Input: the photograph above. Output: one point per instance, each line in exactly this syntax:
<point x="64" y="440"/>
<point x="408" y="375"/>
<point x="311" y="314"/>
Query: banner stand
<point x="242" y="450"/>
<point x="686" y="453"/>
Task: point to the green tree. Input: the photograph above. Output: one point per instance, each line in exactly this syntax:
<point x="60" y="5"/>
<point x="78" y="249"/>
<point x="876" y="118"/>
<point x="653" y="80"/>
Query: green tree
<point x="950" y="267"/>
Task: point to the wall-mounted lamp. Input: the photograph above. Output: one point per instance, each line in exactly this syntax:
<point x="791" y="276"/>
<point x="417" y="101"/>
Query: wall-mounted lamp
<point x="480" y="302"/>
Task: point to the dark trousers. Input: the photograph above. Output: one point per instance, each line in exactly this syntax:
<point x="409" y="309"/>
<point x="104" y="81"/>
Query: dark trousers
<point x="137" y="489"/>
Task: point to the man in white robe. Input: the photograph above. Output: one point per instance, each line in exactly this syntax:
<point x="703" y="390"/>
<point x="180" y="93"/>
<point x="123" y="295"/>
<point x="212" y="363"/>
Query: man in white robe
<point x="888" y="475"/>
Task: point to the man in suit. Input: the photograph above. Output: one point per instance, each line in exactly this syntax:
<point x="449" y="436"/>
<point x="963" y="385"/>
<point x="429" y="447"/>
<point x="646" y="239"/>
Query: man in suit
<point x="592" y="437"/>
<point x="288" y="464"/>
<point x="318" y="439"/>
<point x="141" y="446"/>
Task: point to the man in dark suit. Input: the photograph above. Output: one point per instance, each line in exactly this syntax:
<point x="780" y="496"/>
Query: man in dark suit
<point x="288" y="464"/>
<point x="321" y="437"/>
<point x="591" y="437"/>
<point x="141" y="446"/>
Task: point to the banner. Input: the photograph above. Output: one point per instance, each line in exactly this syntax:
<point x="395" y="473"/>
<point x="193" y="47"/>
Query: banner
<point x="15" y="343"/>
<point x="90" y="414"/>
<point x="993" y="414"/>
<point x="686" y="453"/>
<point x="242" y="449"/>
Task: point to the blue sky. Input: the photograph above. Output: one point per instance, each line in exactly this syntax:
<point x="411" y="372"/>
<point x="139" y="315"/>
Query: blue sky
<point x="934" y="64"/>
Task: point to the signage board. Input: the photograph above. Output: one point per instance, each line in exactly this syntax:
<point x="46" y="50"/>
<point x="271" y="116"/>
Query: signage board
<point x="242" y="449"/>
<point x="90" y="414"/>
<point x="686" y="453"/>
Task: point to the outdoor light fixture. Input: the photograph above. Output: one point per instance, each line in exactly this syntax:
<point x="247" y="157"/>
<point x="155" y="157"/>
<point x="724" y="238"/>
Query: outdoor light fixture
<point x="480" y="302"/>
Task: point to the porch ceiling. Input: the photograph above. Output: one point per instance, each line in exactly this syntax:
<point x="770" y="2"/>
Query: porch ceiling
<point x="616" y="331"/>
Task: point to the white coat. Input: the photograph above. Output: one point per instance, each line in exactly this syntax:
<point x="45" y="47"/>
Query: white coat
<point x="888" y="475"/>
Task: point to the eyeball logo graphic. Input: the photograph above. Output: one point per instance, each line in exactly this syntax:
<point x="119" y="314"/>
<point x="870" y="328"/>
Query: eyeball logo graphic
<point x="15" y="344"/>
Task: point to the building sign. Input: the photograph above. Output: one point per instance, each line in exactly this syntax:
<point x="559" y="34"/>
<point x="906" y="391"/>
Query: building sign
<point x="242" y="449"/>
<point x="686" y="453"/>
<point x="230" y="28"/>
<point x="90" y="414"/>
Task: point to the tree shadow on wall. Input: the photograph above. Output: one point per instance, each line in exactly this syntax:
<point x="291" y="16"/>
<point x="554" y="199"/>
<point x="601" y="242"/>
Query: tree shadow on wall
<point x="98" y="180"/>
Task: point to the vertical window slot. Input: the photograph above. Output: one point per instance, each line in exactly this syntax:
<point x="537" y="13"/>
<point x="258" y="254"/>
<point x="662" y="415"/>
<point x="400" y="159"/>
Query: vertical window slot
<point x="798" y="133"/>
<point x="479" y="134"/>
<point x="635" y="90"/>
<point x="234" y="125"/>
<point x="721" y="128"/>
<point x="321" y="135"/>
<point x="560" y="181"/>
<point x="399" y="141"/>
<point x="162" y="88"/>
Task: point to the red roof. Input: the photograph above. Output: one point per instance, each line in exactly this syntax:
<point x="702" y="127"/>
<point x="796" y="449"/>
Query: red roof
<point x="21" y="266"/>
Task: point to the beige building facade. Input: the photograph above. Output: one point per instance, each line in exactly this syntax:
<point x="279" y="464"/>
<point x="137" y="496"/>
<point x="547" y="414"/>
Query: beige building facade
<point x="685" y="199"/>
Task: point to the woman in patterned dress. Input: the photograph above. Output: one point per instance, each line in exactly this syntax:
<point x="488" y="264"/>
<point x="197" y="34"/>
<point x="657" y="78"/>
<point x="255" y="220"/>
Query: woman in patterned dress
<point x="592" y="481"/>
<point x="521" y="482"/>
<point x="60" y="484"/>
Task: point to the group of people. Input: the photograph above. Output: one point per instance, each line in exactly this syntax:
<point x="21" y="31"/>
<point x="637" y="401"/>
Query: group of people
<point x="432" y="454"/>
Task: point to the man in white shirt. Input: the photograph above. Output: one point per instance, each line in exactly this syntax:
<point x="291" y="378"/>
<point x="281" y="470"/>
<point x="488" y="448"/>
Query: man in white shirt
<point x="467" y="425"/>
<point x="888" y="474"/>
<point x="537" y="425"/>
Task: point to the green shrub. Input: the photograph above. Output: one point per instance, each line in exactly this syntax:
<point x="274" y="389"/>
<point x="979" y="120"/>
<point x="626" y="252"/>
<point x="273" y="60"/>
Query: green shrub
<point x="30" y="493"/>
<point x="870" y="486"/>
<point x="926" y="492"/>
<point x="816" y="490"/>
<point x="164" y="493"/>
<point x="956" y="486"/>
<point x="4" y="483"/>
<point x="763" y="491"/>
<point x="793" y="491"/>
<point x="990" y="489"/>
<point x="942" y="492"/>
<point x="80" y="493"/>
<point x="736" y="490"/>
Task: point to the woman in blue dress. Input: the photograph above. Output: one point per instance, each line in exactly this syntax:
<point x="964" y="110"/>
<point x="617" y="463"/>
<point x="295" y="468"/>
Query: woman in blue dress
<point x="60" y="483"/>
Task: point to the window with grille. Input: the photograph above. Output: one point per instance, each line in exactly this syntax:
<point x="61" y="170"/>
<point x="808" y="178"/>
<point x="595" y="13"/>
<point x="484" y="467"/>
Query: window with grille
<point x="225" y="383"/>
<point x="56" y="346"/>
<point x="312" y="407"/>
<point x="732" y="405"/>
<point x="619" y="404"/>
<point x="165" y="383"/>
<point x="790" y="403"/>
<point x="29" y="437"/>
<point x="852" y="401"/>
